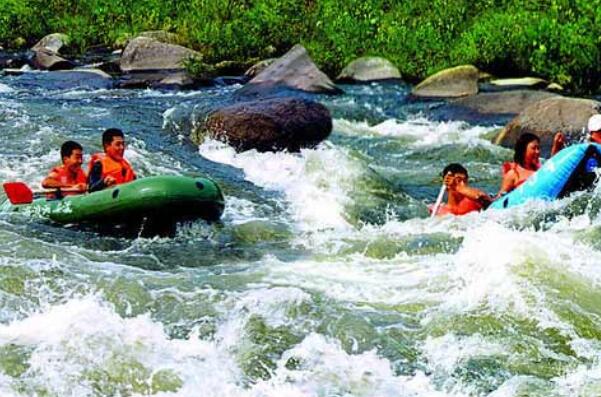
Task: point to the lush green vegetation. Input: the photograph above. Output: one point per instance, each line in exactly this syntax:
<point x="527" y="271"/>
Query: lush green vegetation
<point x="556" y="39"/>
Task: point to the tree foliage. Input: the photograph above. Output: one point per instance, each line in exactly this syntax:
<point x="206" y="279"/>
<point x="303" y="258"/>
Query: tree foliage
<point x="555" y="39"/>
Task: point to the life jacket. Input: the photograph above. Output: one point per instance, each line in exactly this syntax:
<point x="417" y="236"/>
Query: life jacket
<point x="120" y="170"/>
<point x="66" y="179"/>
<point x="520" y="171"/>
<point x="465" y="205"/>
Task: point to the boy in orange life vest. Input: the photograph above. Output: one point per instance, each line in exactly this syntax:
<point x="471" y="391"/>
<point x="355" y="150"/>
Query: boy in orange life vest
<point x="110" y="168"/>
<point x="461" y="197"/>
<point x="69" y="175"/>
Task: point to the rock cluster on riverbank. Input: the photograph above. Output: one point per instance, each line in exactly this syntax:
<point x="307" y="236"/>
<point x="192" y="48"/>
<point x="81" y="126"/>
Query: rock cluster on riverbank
<point x="275" y="108"/>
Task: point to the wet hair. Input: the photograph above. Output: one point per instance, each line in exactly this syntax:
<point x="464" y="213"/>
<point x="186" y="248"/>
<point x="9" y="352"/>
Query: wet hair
<point x="520" y="147"/>
<point x="68" y="147"/>
<point x="455" y="168"/>
<point x="108" y="135"/>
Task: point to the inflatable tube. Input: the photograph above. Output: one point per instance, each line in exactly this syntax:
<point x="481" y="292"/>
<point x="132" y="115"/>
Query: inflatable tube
<point x="159" y="200"/>
<point x="570" y="170"/>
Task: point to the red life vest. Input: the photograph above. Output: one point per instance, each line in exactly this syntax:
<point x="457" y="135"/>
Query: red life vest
<point x="66" y="179"/>
<point x="120" y="170"/>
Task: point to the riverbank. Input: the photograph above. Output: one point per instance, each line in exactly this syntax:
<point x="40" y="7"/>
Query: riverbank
<point x="552" y="39"/>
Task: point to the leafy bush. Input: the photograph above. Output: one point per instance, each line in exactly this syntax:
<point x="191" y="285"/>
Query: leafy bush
<point x="555" y="39"/>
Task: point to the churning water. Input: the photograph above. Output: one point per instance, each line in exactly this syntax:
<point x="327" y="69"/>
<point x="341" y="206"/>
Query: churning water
<point x="325" y="277"/>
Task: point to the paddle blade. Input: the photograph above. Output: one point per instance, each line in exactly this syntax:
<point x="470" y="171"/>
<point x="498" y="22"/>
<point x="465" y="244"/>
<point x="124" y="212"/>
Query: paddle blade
<point x="18" y="192"/>
<point x="438" y="201"/>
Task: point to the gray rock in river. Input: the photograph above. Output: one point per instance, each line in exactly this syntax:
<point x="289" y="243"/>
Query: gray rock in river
<point x="151" y="63"/>
<point x="144" y="54"/>
<point x="53" y="42"/>
<point x="294" y="70"/>
<point x="367" y="69"/>
<point x="46" y="53"/>
<point x="450" y="83"/>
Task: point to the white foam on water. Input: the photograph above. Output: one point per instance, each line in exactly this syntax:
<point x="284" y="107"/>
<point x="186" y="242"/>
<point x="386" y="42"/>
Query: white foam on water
<point x="315" y="182"/>
<point x="324" y="368"/>
<point x="79" y="346"/>
<point x="5" y="89"/>
<point x="421" y="131"/>
<point x="446" y="352"/>
<point x="74" y="340"/>
<point x="238" y="210"/>
<point x="272" y="304"/>
<point x="359" y="279"/>
<point x="583" y="381"/>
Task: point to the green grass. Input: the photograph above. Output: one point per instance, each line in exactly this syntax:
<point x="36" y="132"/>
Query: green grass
<point x="555" y="39"/>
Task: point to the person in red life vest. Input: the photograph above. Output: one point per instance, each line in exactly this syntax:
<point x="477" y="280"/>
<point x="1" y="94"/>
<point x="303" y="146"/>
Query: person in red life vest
<point x="461" y="198"/>
<point x="594" y="129"/>
<point x="110" y="168"/>
<point x="526" y="161"/>
<point x="69" y="175"/>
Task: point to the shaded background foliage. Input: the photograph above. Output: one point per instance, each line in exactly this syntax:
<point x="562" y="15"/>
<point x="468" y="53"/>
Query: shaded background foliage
<point x="555" y="39"/>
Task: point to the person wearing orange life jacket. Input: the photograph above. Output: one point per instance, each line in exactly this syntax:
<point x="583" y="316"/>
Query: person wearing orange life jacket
<point x="110" y="168"/>
<point x="461" y="198"/>
<point x="526" y="161"/>
<point x="69" y="175"/>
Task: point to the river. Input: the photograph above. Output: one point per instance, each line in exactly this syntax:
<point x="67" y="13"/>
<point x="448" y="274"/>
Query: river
<point x="325" y="277"/>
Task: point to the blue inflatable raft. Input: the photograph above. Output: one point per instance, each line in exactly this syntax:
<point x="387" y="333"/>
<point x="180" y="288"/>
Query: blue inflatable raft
<point x="570" y="170"/>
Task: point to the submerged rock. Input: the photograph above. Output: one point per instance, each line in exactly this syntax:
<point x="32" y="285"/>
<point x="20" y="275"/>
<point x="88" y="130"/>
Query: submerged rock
<point x="295" y="70"/>
<point x="268" y="125"/>
<point x="548" y="116"/>
<point x="369" y="69"/>
<point x="67" y="79"/>
<point x="450" y="83"/>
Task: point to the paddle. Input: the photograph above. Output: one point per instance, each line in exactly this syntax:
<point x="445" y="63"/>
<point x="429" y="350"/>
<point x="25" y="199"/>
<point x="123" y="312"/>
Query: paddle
<point x="20" y="193"/>
<point x="438" y="201"/>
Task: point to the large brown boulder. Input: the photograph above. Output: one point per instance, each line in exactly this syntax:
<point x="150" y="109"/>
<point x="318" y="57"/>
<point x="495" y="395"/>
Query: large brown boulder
<point x="366" y="69"/>
<point x="144" y="54"/>
<point x="295" y="70"/>
<point x="268" y="125"/>
<point x="545" y="118"/>
<point x="450" y="83"/>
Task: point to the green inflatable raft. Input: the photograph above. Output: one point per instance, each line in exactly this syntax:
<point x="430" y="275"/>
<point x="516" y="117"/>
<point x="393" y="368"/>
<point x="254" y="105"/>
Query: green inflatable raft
<point x="146" y="206"/>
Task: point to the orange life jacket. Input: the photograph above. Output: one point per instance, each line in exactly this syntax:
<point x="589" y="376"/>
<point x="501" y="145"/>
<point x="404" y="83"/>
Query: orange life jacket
<point x="465" y="205"/>
<point x="120" y="170"/>
<point x="520" y="171"/>
<point x="66" y="179"/>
